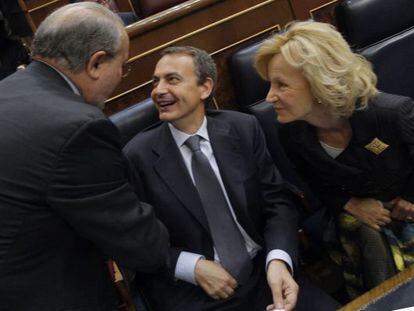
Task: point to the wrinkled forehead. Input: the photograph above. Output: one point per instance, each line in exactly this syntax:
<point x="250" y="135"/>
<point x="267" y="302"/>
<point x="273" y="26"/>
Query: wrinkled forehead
<point x="180" y="64"/>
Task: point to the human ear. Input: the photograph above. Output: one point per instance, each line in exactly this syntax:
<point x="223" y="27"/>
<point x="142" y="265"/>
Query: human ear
<point x="94" y="65"/>
<point x="206" y="88"/>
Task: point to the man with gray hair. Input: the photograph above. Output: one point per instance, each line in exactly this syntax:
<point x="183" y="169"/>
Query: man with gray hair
<point x="65" y="204"/>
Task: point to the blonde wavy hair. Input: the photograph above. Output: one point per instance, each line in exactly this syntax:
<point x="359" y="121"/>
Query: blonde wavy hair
<point x="338" y="78"/>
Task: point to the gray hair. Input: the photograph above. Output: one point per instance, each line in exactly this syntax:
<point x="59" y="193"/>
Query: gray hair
<point x="204" y="65"/>
<point x="73" y="33"/>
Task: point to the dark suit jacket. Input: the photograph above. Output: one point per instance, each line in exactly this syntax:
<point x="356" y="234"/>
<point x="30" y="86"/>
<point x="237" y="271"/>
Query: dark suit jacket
<point x="358" y="171"/>
<point x="65" y="205"/>
<point x="252" y="182"/>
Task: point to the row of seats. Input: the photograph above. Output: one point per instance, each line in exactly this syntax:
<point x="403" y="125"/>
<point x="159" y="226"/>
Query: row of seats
<point x="380" y="30"/>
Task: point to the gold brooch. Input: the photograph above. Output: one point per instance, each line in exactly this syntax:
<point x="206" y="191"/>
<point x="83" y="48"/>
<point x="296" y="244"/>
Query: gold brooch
<point x="376" y="146"/>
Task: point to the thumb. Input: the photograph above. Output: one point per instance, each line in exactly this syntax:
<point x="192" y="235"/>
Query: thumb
<point x="278" y="300"/>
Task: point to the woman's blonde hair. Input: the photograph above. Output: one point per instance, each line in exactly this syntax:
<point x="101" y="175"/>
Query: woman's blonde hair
<point x="338" y="77"/>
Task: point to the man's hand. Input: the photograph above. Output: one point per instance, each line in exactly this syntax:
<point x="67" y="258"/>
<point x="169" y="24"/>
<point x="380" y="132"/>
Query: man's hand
<point x="402" y="209"/>
<point x="283" y="286"/>
<point x="368" y="211"/>
<point x="214" y="279"/>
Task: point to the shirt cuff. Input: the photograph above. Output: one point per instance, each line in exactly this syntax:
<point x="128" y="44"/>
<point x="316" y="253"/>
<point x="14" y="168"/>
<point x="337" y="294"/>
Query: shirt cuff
<point x="185" y="267"/>
<point x="281" y="255"/>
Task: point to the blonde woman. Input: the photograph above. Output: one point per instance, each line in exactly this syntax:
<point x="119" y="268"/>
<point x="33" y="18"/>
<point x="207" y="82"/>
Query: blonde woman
<point x="352" y="144"/>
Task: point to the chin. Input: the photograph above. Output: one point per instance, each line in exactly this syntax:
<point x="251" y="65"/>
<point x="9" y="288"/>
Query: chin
<point x="165" y="116"/>
<point x="283" y="120"/>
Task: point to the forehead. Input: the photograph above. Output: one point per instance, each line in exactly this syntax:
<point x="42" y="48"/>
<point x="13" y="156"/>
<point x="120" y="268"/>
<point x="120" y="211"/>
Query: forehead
<point x="279" y="66"/>
<point x="181" y="64"/>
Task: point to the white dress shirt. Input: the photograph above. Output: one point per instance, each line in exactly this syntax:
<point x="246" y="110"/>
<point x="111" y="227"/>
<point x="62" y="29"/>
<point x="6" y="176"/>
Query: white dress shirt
<point x="187" y="261"/>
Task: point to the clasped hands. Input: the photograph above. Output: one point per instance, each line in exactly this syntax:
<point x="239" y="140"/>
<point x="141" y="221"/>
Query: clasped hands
<point x="373" y="213"/>
<point x="219" y="284"/>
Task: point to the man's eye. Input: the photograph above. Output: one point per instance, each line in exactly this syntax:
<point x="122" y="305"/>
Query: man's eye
<point x="281" y="84"/>
<point x="173" y="79"/>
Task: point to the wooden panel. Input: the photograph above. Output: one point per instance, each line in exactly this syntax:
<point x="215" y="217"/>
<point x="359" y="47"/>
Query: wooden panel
<point x="218" y="29"/>
<point x="38" y="15"/>
<point x="37" y="10"/>
<point x="124" y="5"/>
<point x="380" y="291"/>
<point x="33" y="4"/>
<point x="325" y="13"/>
<point x="301" y="8"/>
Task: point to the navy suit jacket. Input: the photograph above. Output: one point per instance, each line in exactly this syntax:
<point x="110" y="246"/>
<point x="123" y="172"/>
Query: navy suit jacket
<point x="254" y="186"/>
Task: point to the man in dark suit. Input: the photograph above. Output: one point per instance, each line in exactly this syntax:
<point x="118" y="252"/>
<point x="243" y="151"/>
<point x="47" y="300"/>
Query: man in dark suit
<point x="161" y="166"/>
<point x="65" y="204"/>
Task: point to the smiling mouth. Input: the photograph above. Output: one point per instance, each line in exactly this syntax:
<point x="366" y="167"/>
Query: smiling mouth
<point x="163" y="104"/>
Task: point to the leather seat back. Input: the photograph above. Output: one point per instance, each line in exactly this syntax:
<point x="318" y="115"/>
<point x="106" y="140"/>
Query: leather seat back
<point x="382" y="31"/>
<point x="134" y="119"/>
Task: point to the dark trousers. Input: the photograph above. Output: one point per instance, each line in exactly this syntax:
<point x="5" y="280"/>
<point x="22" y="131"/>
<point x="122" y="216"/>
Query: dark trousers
<point x="255" y="295"/>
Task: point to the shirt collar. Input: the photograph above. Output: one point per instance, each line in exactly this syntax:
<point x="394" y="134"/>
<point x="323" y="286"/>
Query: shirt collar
<point x="180" y="137"/>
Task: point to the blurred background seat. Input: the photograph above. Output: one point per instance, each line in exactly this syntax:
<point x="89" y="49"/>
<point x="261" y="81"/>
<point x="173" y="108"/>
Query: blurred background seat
<point x="382" y="31"/>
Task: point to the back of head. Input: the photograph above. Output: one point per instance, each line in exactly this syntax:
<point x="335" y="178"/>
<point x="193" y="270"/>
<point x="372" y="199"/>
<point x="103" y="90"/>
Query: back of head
<point x="338" y="77"/>
<point x="73" y="33"/>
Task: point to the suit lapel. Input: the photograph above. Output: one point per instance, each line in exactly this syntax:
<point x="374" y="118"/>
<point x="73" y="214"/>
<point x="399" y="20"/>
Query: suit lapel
<point x="171" y="169"/>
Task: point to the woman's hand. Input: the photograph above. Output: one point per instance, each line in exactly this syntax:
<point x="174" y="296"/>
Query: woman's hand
<point x="368" y="211"/>
<point x="402" y="209"/>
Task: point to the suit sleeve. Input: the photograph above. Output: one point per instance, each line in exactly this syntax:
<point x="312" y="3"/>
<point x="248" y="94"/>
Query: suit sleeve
<point x="280" y="214"/>
<point x="89" y="190"/>
<point x="139" y="186"/>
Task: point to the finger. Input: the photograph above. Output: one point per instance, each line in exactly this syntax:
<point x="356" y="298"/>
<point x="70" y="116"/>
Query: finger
<point x="270" y="307"/>
<point x="229" y="291"/>
<point x="215" y="297"/>
<point x="386" y="220"/>
<point x="277" y="294"/>
<point x="386" y="212"/>
<point x="224" y="296"/>
<point x="374" y="226"/>
<point x="291" y="298"/>
<point x="232" y="282"/>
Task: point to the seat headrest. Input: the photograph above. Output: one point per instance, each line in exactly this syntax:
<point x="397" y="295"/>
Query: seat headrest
<point x="134" y="119"/>
<point x="249" y="87"/>
<point x="364" y="22"/>
<point x="393" y="63"/>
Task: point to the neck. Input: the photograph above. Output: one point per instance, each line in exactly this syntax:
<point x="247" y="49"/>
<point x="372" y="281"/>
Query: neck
<point x="191" y="123"/>
<point x="78" y="79"/>
<point x="324" y="121"/>
<point x="189" y="127"/>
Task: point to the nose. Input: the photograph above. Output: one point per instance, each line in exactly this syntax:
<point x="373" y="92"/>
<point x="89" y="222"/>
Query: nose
<point x="160" y="88"/>
<point x="272" y="95"/>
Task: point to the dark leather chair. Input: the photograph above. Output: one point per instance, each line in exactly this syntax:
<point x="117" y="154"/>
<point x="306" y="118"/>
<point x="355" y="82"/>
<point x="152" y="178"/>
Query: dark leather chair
<point x="134" y="119"/>
<point x="382" y="31"/>
<point x="249" y="87"/>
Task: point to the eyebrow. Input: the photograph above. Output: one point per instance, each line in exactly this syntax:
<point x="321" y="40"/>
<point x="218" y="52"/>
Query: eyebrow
<point x="167" y="75"/>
